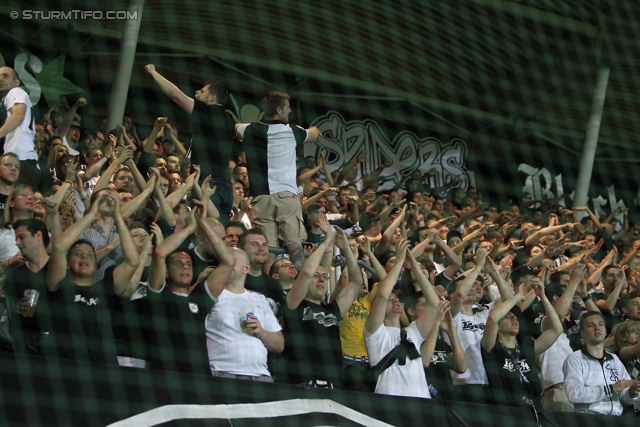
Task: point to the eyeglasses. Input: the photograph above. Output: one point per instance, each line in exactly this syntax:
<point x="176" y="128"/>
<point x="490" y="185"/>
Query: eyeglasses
<point x="286" y="265"/>
<point x="325" y="276"/>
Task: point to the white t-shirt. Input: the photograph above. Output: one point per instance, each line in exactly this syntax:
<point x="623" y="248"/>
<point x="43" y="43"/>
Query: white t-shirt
<point x="470" y="329"/>
<point x="408" y="380"/>
<point x="8" y="246"/>
<point x="231" y="350"/>
<point x="551" y="361"/>
<point x="20" y="141"/>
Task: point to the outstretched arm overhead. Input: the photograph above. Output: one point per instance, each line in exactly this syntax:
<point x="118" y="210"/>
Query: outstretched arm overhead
<point x="185" y="102"/>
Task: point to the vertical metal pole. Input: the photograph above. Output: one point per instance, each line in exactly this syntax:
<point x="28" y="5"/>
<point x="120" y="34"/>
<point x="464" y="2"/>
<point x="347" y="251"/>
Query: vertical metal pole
<point x="591" y="138"/>
<point x="120" y="89"/>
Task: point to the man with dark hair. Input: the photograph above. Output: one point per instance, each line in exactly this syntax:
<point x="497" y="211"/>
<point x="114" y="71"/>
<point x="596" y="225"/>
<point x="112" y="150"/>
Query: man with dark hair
<point x="596" y="381"/>
<point x="174" y="318"/>
<point x="270" y="149"/>
<point x="81" y="318"/>
<point x="31" y="328"/>
<point x="234" y="230"/>
<point x="254" y="243"/>
<point x="18" y="130"/>
<point x="124" y="180"/>
<point x="630" y="305"/>
<point x="285" y="273"/>
<point x="312" y="334"/>
<point x="614" y="282"/>
<point x="212" y="134"/>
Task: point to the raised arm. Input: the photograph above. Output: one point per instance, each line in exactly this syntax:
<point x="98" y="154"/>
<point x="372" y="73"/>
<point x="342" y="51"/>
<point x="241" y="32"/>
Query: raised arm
<point x="105" y="178"/>
<point x="606" y="306"/>
<point x="95" y="169"/>
<point x="171" y="90"/>
<point x="65" y="124"/>
<point x="490" y="333"/>
<point x="158" y="270"/>
<point x="60" y="246"/>
<point x="464" y="286"/>
<point x="123" y="272"/>
<point x="174" y="198"/>
<point x="379" y="304"/>
<point x="141" y="183"/>
<point x="429" y="344"/>
<point x="548" y="337"/>
<point x="151" y="140"/>
<point x="140" y="200"/>
<point x="592" y="217"/>
<point x="365" y="246"/>
<point x="134" y="281"/>
<point x="383" y="244"/>
<point x="455" y="261"/>
<point x="219" y="277"/>
<point x="350" y="292"/>
<point x="425" y="321"/>
<point x="301" y="285"/>
<point x="535" y="237"/>
<point x="563" y="305"/>
<point x="505" y="290"/>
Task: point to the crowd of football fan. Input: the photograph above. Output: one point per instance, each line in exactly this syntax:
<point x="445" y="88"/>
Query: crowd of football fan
<point x="230" y="256"/>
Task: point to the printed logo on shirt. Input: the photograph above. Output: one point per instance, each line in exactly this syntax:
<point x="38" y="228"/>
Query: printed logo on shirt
<point x="439" y="357"/>
<point x="193" y="307"/>
<point x="87" y="301"/>
<point x="322" y="318"/>
<point x="358" y="311"/>
<point x="613" y="373"/>
<point x="191" y="246"/>
<point x="473" y="327"/>
<point x="511" y="367"/>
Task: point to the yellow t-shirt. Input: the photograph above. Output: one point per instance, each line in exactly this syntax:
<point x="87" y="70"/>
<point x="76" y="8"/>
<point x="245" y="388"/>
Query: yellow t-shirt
<point x="352" y="328"/>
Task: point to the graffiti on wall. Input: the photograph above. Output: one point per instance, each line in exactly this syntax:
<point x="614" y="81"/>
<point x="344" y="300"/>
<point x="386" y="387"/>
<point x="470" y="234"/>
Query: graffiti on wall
<point x="542" y="186"/>
<point x="407" y="152"/>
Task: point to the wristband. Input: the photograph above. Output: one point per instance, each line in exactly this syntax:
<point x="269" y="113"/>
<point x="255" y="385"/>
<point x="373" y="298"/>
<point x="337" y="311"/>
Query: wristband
<point x="82" y="199"/>
<point x="587" y="298"/>
<point x="70" y="183"/>
<point x="365" y="258"/>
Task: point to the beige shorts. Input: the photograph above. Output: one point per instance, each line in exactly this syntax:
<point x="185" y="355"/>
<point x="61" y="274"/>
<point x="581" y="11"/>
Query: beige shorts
<point x="279" y="216"/>
<point x="555" y="399"/>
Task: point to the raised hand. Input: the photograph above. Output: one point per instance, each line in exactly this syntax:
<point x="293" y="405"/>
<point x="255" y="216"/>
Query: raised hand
<point x="150" y="68"/>
<point x="324" y="225"/>
<point x="160" y="122"/>
<point x="51" y="205"/>
<point x="207" y="190"/>
<point x="156" y="231"/>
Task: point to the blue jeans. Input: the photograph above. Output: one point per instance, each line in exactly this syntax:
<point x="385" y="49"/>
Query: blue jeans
<point x="223" y="197"/>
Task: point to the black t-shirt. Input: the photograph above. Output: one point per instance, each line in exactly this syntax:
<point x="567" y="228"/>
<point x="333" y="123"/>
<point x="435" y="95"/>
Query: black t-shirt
<point x="213" y="130"/>
<point x="312" y="340"/>
<point x="81" y="321"/>
<point x="511" y="373"/>
<point x="174" y="329"/>
<point x="128" y="333"/>
<point x="438" y="372"/>
<point x="17" y="281"/>
<point x="267" y="286"/>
